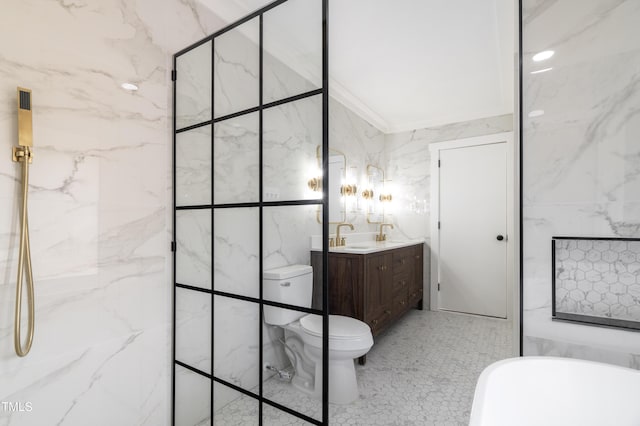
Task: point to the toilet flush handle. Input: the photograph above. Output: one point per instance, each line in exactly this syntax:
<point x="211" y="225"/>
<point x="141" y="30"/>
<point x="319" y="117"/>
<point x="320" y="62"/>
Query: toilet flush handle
<point x="286" y="284"/>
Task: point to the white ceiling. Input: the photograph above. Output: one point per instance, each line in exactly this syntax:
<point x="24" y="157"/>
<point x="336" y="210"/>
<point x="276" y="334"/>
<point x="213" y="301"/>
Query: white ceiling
<point x="409" y="64"/>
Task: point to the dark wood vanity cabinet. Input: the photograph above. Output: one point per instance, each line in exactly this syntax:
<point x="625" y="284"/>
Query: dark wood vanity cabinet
<point x="376" y="288"/>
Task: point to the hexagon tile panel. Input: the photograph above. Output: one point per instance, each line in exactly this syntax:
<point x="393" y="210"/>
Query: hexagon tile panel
<point x="598" y="278"/>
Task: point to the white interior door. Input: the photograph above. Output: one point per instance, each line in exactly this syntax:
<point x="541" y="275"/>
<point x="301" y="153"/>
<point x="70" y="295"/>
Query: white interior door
<point x="472" y="236"/>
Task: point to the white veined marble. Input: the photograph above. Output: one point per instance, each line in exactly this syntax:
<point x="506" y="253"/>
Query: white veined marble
<point x="236" y="337"/>
<point x="193" y="86"/>
<point x="193" y="398"/>
<point x="237" y="251"/>
<point x="287" y="235"/>
<point x="236" y="157"/>
<point x="236" y="69"/>
<point x="193" y="167"/>
<point x="193" y="247"/>
<point x="292" y="133"/>
<point x="292" y="38"/>
<point x="193" y="328"/>
<point x="100" y="206"/>
<point x="581" y="156"/>
<point x="408" y="168"/>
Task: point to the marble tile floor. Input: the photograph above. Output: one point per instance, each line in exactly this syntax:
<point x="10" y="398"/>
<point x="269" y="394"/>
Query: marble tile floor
<point x="422" y="371"/>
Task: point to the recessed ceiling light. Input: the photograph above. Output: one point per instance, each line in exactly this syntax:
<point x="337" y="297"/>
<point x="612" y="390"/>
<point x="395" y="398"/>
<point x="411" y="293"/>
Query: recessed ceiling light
<point x="541" y="71"/>
<point x="544" y="55"/>
<point x="129" y="86"/>
<point x="536" y="113"/>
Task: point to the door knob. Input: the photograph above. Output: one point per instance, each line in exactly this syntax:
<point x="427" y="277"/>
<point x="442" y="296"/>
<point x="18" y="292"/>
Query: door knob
<point x="499" y="238"/>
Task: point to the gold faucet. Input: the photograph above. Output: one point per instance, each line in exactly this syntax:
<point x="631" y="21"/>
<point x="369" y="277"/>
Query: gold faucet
<point x="382" y="236"/>
<point x="341" y="241"/>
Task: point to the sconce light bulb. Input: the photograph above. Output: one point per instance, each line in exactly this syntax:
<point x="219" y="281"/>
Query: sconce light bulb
<point x="367" y="194"/>
<point x="315" y="184"/>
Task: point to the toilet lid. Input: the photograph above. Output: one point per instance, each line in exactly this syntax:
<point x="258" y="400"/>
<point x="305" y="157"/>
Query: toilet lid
<point x="340" y="327"/>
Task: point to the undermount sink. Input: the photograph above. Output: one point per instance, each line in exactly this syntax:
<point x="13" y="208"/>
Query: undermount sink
<point x="371" y="246"/>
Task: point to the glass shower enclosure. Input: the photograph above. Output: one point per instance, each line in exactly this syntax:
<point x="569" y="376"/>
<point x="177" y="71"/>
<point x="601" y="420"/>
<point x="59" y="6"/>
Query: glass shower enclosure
<point x="250" y="117"/>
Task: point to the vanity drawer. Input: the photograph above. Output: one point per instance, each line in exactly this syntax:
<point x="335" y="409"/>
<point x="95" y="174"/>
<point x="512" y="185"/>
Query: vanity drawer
<point x="403" y="260"/>
<point x="401" y="283"/>
<point x="400" y="304"/>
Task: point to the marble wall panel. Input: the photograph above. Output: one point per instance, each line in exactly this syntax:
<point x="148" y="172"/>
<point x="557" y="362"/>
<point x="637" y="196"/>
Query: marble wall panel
<point x="287" y="235"/>
<point x="581" y="156"/>
<point x="193" y="398"/>
<point x="292" y="37"/>
<point x="193" y="87"/>
<point x="100" y="197"/>
<point x="193" y="167"/>
<point x="193" y="328"/>
<point x="291" y="134"/>
<point x="236" y="345"/>
<point x="193" y="247"/>
<point x="237" y="251"/>
<point x="236" y="69"/>
<point x="236" y="156"/>
<point x="409" y="163"/>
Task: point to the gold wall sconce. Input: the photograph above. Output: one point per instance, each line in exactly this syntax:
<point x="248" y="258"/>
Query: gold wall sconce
<point x="349" y="190"/>
<point x="315" y="184"/>
<point x="386" y="198"/>
<point x="367" y="194"/>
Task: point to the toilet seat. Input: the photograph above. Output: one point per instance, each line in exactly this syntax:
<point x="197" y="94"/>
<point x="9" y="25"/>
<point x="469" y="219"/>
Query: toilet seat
<point x="346" y="334"/>
<point x="340" y="327"/>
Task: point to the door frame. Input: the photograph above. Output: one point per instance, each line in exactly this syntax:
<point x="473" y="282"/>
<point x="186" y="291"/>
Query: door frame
<point x="513" y="300"/>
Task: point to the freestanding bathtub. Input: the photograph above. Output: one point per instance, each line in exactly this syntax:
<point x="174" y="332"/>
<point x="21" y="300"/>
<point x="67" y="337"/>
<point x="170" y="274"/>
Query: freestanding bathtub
<point x="548" y="391"/>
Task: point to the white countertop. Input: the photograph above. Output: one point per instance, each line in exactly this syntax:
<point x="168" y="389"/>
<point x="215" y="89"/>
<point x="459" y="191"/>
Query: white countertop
<point x="371" y="246"/>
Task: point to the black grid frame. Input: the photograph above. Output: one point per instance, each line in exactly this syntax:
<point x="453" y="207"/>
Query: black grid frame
<point x="261" y="204"/>
<point x="579" y="318"/>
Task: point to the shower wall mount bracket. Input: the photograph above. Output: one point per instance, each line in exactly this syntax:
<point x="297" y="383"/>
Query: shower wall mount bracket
<point x="22" y="152"/>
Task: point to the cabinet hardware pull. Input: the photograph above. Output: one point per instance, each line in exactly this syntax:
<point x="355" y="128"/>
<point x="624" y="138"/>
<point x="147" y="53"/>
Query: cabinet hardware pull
<point x="402" y="302"/>
<point x="403" y="261"/>
<point x="387" y="312"/>
<point x="417" y="256"/>
<point x="374" y="322"/>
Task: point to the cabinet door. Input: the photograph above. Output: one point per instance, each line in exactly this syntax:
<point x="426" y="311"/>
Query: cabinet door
<point x="378" y="293"/>
<point x="416" y="291"/>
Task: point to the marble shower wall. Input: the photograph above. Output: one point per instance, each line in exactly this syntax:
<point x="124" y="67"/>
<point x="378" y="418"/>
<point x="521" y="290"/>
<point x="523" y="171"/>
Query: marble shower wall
<point x="362" y="144"/>
<point x="409" y="163"/>
<point x="581" y="171"/>
<point x="99" y="206"/>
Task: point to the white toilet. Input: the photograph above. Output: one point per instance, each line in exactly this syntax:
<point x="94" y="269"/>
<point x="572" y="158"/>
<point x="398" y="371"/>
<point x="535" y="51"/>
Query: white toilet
<point x="349" y="338"/>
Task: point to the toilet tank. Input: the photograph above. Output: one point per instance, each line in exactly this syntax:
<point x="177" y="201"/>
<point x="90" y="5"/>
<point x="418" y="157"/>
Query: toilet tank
<point x="292" y="285"/>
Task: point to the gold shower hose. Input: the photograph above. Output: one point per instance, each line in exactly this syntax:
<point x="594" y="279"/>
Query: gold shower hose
<point x="24" y="156"/>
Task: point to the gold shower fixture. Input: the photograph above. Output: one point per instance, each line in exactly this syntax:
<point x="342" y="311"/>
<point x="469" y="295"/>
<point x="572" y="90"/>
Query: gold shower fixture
<point x="23" y="154"/>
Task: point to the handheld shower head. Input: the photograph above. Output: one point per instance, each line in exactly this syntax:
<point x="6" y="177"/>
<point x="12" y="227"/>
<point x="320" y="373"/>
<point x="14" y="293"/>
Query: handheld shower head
<point x="25" y="122"/>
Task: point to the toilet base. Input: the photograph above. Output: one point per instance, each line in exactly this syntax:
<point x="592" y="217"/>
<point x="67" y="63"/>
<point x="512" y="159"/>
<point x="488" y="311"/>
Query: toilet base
<point x="343" y="386"/>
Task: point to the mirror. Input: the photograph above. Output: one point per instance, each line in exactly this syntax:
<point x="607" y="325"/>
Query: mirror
<point x="337" y="186"/>
<point x="373" y="194"/>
